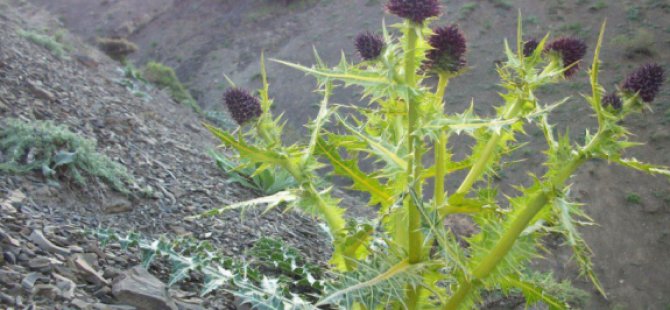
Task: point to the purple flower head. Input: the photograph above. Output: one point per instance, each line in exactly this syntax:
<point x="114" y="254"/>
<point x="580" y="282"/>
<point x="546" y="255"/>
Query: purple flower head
<point x="612" y="100"/>
<point x="448" y="50"/>
<point x="242" y="106"/>
<point x="369" y="45"/>
<point x="414" y="10"/>
<point x="571" y="50"/>
<point x="646" y="81"/>
<point x="529" y="47"/>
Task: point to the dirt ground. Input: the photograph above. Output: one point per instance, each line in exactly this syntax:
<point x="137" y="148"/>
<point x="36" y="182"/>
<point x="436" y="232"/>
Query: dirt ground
<point x="207" y="39"/>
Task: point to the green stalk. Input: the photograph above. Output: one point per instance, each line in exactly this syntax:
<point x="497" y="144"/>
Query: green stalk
<point x="536" y="203"/>
<point x="440" y="150"/>
<point x="480" y="166"/>
<point x="414" y="166"/>
<point x="415" y="237"/>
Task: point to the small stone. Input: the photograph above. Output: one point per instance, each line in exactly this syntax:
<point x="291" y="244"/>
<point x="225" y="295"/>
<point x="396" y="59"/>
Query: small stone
<point x="111" y="272"/>
<point x="118" y="205"/>
<point x="38" y="238"/>
<point x="39" y="92"/>
<point x="40" y="263"/>
<point x="86" y="60"/>
<point x="7" y="299"/>
<point x="139" y="288"/>
<point x="65" y="286"/>
<point x="9" y="257"/>
<point x="9" y="277"/>
<point x="46" y="291"/>
<point x="87" y="272"/>
<point x="29" y="280"/>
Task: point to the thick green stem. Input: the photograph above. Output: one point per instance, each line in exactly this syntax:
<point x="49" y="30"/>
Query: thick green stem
<point x="414" y="166"/>
<point x="440" y="150"/>
<point x="415" y="238"/>
<point x="479" y="167"/>
<point x="519" y="224"/>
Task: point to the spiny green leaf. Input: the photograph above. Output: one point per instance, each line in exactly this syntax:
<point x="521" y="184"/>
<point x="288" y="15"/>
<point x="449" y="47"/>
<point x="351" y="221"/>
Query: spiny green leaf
<point x="270" y="201"/>
<point x="361" y="180"/>
<point x="386" y="152"/>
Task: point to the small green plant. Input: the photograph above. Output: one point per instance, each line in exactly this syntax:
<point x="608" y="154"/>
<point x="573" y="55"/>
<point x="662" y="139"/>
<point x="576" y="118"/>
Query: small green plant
<point x="248" y="279"/>
<point x="48" y="42"/>
<point x="467" y="9"/>
<point x="134" y="82"/>
<point x="266" y="182"/>
<point x="57" y="152"/>
<point x="502" y="4"/>
<point x="634" y="198"/>
<point x="636" y="45"/>
<point x="406" y="257"/>
<point x="164" y="76"/>
<point x="599" y="5"/>
<point x="634" y="13"/>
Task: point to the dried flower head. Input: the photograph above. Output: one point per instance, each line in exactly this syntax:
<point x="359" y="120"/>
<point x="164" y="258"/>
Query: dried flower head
<point x="369" y="45"/>
<point x="646" y="81"/>
<point x="571" y="50"/>
<point x="448" y="50"/>
<point x="530" y="46"/>
<point x="414" y="10"/>
<point x="242" y="106"/>
<point x="612" y="100"/>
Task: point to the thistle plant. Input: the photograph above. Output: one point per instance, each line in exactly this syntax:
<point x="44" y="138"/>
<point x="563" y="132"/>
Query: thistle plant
<point x="406" y="257"/>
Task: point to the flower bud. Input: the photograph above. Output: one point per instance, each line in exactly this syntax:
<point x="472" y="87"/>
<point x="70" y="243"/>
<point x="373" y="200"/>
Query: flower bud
<point x="645" y="81"/>
<point x="414" y="10"/>
<point x="369" y="45"/>
<point x="571" y="51"/>
<point x="612" y="100"/>
<point x="448" y="50"/>
<point x="242" y="106"/>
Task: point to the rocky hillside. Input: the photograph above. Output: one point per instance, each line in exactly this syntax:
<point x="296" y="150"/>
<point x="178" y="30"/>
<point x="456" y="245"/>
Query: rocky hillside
<point x="163" y="146"/>
<point x="47" y="261"/>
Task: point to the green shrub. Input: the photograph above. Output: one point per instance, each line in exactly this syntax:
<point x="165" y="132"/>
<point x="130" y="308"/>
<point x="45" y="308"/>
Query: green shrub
<point x="45" y="41"/>
<point x="57" y="152"/>
<point x="165" y="77"/>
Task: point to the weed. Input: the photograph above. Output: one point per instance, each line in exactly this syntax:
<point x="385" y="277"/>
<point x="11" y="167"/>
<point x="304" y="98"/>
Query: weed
<point x="599" y="5"/>
<point x="532" y="20"/>
<point x="634" y="13"/>
<point x="57" y="152"/>
<point x="48" y="42"/>
<point x="467" y="9"/>
<point x="576" y="29"/>
<point x="640" y="44"/>
<point x="502" y="4"/>
<point x="267" y="182"/>
<point x="268" y="257"/>
<point x="408" y="243"/>
<point x="165" y="77"/>
<point x="633" y="198"/>
<point x="659" y="4"/>
<point x="134" y="82"/>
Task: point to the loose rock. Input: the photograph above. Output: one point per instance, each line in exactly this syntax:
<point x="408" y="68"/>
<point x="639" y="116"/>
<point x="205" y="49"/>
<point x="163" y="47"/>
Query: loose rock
<point x="139" y="288"/>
